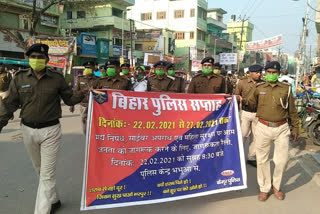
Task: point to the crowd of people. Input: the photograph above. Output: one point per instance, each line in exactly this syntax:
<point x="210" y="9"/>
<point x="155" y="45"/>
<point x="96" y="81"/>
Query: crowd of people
<point x="266" y="106"/>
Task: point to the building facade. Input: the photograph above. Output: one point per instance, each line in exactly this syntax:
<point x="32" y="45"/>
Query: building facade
<point x="243" y="31"/>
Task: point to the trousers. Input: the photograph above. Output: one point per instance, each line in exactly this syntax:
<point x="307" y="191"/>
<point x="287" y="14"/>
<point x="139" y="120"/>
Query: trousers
<point x="248" y="125"/>
<point x="84" y="115"/>
<point x="280" y="137"/>
<point x="42" y="146"/>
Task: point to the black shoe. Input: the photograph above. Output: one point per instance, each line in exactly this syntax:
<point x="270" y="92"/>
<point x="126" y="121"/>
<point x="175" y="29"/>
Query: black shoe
<point x="252" y="163"/>
<point x="55" y="207"/>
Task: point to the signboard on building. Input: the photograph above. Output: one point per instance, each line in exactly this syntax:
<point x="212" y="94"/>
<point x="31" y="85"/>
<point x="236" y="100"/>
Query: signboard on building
<point x="264" y="44"/>
<point x="196" y="65"/>
<point x="228" y="58"/>
<point x="88" y="44"/>
<point x="151" y="59"/>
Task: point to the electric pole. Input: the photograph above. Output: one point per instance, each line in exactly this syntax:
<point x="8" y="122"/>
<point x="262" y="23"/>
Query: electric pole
<point x="301" y="68"/>
<point x="243" y="20"/>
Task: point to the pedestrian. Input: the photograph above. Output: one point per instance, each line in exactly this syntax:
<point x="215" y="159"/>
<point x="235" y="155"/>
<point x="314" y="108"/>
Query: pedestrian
<point x="85" y="82"/>
<point x="38" y="91"/>
<point x="5" y="79"/>
<point x="178" y="84"/>
<point x="140" y="82"/>
<point x="207" y="82"/>
<point x="248" y="115"/>
<point x="285" y="78"/>
<point x="159" y="81"/>
<point x="275" y="105"/>
<point x="113" y="80"/>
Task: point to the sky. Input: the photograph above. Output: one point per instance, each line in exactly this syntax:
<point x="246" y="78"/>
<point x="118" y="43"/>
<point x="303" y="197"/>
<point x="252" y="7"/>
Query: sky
<point x="273" y="17"/>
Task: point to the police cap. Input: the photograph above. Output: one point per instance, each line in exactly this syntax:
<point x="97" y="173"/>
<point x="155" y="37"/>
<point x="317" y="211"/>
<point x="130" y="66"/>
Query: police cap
<point x="142" y="67"/>
<point x="169" y="65"/>
<point x="255" y="68"/>
<point x="89" y="63"/>
<point x="160" y="63"/>
<point x="207" y="59"/>
<point x="113" y="61"/>
<point x="39" y="48"/>
<point x="274" y="65"/>
<point x="126" y="64"/>
<point x="217" y="64"/>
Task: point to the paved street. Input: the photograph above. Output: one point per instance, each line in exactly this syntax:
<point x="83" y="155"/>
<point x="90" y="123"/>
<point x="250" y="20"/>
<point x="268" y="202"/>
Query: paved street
<point x="18" y="181"/>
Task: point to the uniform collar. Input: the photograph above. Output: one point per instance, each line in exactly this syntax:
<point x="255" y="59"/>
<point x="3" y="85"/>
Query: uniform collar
<point x="210" y="75"/>
<point x="276" y="84"/>
<point x="47" y="72"/>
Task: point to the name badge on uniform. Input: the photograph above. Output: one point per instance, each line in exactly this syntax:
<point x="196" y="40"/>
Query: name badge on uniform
<point x="26" y="86"/>
<point x="263" y="93"/>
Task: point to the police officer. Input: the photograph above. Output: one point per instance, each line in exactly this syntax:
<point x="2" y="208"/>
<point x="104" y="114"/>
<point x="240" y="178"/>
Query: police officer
<point x="85" y="82"/>
<point x="248" y="115"/>
<point x="38" y="91"/>
<point x="113" y="80"/>
<point x="125" y="70"/>
<point x="177" y="85"/>
<point x="207" y="82"/>
<point x="103" y="71"/>
<point x="159" y="81"/>
<point x="275" y="105"/>
<point x="5" y="78"/>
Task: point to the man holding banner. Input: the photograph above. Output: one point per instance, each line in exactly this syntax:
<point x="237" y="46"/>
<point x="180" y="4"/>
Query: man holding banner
<point x="275" y="105"/>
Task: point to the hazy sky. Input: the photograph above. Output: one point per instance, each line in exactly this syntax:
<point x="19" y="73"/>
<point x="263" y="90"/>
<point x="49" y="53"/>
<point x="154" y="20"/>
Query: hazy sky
<point x="273" y="17"/>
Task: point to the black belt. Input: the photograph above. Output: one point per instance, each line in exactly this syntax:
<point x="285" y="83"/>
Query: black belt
<point x="40" y="125"/>
<point x="247" y="108"/>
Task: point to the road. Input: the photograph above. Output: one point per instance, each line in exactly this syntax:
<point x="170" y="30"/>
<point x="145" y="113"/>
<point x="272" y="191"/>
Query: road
<point x="18" y="181"/>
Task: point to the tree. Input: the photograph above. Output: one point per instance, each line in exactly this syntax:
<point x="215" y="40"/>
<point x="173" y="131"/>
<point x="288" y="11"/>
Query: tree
<point x="35" y="15"/>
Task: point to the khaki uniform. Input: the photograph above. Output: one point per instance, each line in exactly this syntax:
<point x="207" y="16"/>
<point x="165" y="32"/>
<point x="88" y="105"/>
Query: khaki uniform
<point x="156" y="85"/>
<point x="274" y="106"/>
<point x="177" y="85"/>
<point x="39" y="100"/>
<point x="117" y="83"/>
<point x="207" y="84"/>
<point x="248" y="116"/>
<point x="86" y="82"/>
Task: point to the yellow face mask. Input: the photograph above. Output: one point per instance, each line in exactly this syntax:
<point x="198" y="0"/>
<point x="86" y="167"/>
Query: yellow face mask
<point x="87" y="71"/>
<point x="216" y="71"/>
<point x="37" y="64"/>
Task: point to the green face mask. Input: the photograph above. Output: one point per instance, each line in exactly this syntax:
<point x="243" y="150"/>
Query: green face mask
<point x="216" y="71"/>
<point x="272" y="77"/>
<point x="206" y="71"/>
<point x="111" y="72"/>
<point x="37" y="64"/>
<point x="103" y="74"/>
<point x="87" y="71"/>
<point x="125" y="72"/>
<point x="160" y="72"/>
<point x="171" y="73"/>
<point x="140" y="77"/>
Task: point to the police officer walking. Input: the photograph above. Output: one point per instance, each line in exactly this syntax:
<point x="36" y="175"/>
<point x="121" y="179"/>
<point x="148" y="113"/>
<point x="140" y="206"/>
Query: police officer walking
<point x="159" y="81"/>
<point x="207" y="82"/>
<point x="86" y="82"/>
<point x="38" y="91"/>
<point x="5" y="78"/>
<point x="113" y="80"/>
<point x="275" y="105"/>
<point x="177" y="85"/>
<point x="248" y="115"/>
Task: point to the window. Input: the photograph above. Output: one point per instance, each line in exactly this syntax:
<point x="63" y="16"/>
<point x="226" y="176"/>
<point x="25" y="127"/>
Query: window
<point x="202" y="14"/>
<point x="179" y="35"/>
<point x="24" y="22"/>
<point x="179" y="14"/>
<point x="139" y="47"/>
<point x="81" y="14"/>
<point x="146" y="16"/>
<point x="192" y="12"/>
<point x="69" y="15"/>
<point x="192" y="35"/>
<point x="201" y="35"/>
<point x="116" y="12"/>
<point x="161" y="15"/>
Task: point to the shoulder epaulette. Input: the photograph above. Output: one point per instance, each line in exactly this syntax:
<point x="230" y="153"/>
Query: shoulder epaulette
<point x="259" y="84"/>
<point x="197" y="75"/>
<point x="285" y="83"/>
<point x="21" y="71"/>
<point x="55" y="71"/>
<point x="172" y="78"/>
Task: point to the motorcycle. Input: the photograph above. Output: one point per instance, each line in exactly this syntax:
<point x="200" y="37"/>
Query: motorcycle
<point x="311" y="122"/>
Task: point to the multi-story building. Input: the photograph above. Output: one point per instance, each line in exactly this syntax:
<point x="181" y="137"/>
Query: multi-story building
<point x="106" y="25"/>
<point x="317" y="23"/>
<point x="14" y="17"/>
<point x="243" y="31"/>
<point x="188" y="19"/>
<point x="217" y="40"/>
